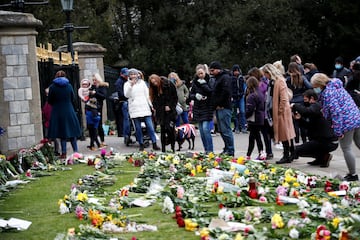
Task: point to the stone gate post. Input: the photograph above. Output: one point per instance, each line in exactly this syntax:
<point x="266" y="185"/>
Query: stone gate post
<point x="20" y="105"/>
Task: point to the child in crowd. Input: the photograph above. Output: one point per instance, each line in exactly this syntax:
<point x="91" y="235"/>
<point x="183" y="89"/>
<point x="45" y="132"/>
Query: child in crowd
<point x="255" y="114"/>
<point x="92" y="122"/>
<point x="83" y="91"/>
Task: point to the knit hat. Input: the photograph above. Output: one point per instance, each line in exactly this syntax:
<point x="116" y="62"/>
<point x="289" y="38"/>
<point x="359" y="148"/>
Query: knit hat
<point x="236" y="67"/>
<point x="92" y="103"/>
<point x="85" y="80"/>
<point x="133" y="70"/>
<point x="124" y="71"/>
<point x="215" y="65"/>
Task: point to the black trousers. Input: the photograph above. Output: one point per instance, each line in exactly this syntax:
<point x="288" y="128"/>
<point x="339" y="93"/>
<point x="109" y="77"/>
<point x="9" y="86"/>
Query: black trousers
<point x="317" y="149"/>
<point x="93" y="135"/>
<point x="254" y="135"/>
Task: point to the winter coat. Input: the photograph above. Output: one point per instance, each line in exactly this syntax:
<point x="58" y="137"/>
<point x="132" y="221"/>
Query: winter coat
<point x="100" y="95"/>
<point x="203" y="110"/>
<point x="167" y="98"/>
<point x="92" y="117"/>
<point x="342" y="74"/>
<point x="338" y="106"/>
<point x="318" y="128"/>
<point x="237" y="85"/>
<point x="282" y="115"/>
<point x="46" y="113"/>
<point x="255" y="103"/>
<point x="64" y="122"/>
<point x="298" y="92"/>
<point x="119" y="87"/>
<point x="138" y="99"/>
<point x="222" y="91"/>
<point x="183" y="94"/>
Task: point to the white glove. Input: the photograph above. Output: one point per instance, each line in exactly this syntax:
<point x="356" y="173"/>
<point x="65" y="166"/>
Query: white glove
<point x="198" y="96"/>
<point x="201" y="81"/>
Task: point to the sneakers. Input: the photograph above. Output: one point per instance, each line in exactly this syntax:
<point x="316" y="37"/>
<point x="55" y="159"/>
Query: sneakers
<point x="269" y="156"/>
<point x="351" y="177"/>
<point x="262" y="156"/>
<point x="327" y="160"/>
<point x="92" y="148"/>
<point x="247" y="158"/>
<point x="279" y="146"/>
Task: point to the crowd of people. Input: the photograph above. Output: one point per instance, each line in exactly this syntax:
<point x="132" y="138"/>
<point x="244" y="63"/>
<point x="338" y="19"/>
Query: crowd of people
<point x="303" y="111"/>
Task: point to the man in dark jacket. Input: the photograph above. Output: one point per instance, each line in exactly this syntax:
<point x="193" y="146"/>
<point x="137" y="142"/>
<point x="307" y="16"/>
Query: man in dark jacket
<point x="322" y="139"/>
<point x="222" y="101"/>
<point x="238" y="109"/>
<point x="340" y="71"/>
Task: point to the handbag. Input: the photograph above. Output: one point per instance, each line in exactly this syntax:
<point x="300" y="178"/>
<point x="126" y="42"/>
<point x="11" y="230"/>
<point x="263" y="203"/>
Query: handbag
<point x="179" y="109"/>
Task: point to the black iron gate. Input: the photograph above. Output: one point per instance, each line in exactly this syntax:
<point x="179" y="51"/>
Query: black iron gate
<point x="110" y="75"/>
<point x="47" y="71"/>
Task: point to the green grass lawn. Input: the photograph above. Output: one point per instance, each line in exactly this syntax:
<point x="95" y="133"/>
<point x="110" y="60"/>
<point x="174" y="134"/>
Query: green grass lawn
<point x="37" y="202"/>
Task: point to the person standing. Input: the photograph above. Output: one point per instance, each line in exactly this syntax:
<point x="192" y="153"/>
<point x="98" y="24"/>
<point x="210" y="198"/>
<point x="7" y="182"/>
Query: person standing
<point x="64" y="123"/>
<point x="282" y="116"/>
<point x="255" y="115"/>
<point x="140" y="106"/>
<point x="182" y="94"/>
<point x="340" y="71"/>
<point x="124" y="119"/>
<point x="99" y="91"/>
<point x="203" y="110"/>
<point x="92" y="122"/>
<point x="222" y="102"/>
<point x="238" y="100"/>
<point x="338" y="106"/>
<point x="164" y="99"/>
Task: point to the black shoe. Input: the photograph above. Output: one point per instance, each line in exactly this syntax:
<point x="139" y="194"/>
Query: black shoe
<point x="327" y="160"/>
<point x="269" y="156"/>
<point x="141" y="148"/>
<point x="284" y="160"/>
<point x="351" y="177"/>
<point x="155" y="147"/>
<point x="314" y="163"/>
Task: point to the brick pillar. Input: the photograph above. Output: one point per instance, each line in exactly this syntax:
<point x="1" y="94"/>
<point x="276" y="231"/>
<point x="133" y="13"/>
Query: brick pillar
<point x="20" y="104"/>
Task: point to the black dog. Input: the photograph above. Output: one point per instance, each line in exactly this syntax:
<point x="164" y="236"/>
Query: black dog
<point x="186" y="132"/>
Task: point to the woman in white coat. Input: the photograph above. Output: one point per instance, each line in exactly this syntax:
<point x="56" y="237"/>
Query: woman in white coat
<point x="137" y="92"/>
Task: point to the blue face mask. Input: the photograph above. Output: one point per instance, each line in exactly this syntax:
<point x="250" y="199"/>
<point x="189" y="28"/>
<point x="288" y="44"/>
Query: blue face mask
<point x="317" y="90"/>
<point x="338" y="66"/>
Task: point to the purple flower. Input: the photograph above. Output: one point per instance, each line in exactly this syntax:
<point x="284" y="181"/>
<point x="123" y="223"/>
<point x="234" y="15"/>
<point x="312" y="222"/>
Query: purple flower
<point x="103" y="152"/>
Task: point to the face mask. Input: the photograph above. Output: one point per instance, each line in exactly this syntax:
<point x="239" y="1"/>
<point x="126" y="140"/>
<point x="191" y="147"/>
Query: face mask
<point x="306" y="104"/>
<point x="338" y="66"/>
<point x="317" y="90"/>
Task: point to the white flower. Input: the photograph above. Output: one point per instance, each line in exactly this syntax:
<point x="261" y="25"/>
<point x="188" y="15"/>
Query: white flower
<point x="168" y="205"/>
<point x="241" y="181"/>
<point x="303" y="204"/>
<point x="63" y="208"/>
<point x="224" y="236"/>
<point x="226" y="214"/>
<point x="327" y="211"/>
<point x="294" y="234"/>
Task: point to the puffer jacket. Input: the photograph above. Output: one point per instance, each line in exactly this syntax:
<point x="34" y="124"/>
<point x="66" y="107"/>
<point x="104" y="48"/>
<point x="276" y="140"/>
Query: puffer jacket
<point x="338" y="106"/>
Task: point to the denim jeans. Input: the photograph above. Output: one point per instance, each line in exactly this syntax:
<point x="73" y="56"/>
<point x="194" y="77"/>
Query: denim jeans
<point x="205" y="134"/>
<point x="73" y="142"/>
<point x="149" y="128"/>
<point x="184" y="116"/>
<point x="243" y="122"/>
<point x="126" y="119"/>
<point x="236" y="114"/>
<point x="223" y="117"/>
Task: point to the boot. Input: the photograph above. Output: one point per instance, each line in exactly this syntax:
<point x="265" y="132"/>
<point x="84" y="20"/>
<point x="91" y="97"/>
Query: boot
<point x="155" y="147"/>
<point x="286" y="157"/>
<point x="173" y="148"/>
<point x="163" y="148"/>
<point x="141" y="147"/>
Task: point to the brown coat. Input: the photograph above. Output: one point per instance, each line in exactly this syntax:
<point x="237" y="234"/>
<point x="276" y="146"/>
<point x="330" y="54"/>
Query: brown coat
<point x="282" y="116"/>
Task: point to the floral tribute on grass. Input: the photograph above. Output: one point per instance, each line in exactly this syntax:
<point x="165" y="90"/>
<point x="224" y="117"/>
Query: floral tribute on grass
<point x="221" y="197"/>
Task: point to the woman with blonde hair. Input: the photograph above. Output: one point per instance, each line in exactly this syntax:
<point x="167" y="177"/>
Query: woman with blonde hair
<point x="182" y="94"/>
<point x="282" y="116"/>
<point x="98" y="90"/>
<point x="338" y="107"/>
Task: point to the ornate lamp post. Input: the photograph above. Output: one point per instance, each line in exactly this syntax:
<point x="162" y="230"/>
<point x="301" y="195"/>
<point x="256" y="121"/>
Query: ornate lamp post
<point x="67" y="6"/>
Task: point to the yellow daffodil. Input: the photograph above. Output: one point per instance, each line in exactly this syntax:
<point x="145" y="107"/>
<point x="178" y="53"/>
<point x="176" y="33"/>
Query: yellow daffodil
<point x="60" y="202"/>
<point x="204" y="232"/>
<point x="188" y="166"/>
<point x="285" y="184"/>
<point x="277" y="221"/>
<point x="199" y="169"/>
<point x="211" y="155"/>
<point x="216" y="163"/>
<point x="220" y="190"/>
<point x="247" y="172"/>
<point x="336" y="221"/>
<point x="296" y="184"/>
<point x="239" y="237"/>
<point x="240" y="160"/>
<point x="169" y="157"/>
<point x="176" y="161"/>
<point x="66" y="197"/>
<point x="273" y="170"/>
<point x="193" y="172"/>
<point x="263" y="177"/>
<point x="190" y="225"/>
<point x="82" y="197"/>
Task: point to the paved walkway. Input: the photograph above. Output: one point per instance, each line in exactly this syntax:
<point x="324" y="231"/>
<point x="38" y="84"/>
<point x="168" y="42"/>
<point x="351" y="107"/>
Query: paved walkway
<point x="337" y="165"/>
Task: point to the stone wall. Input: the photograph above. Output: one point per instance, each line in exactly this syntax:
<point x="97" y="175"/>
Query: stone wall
<point x="20" y="105"/>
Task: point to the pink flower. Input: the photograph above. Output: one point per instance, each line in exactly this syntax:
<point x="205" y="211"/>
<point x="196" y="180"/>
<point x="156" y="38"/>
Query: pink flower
<point x="103" y="152"/>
